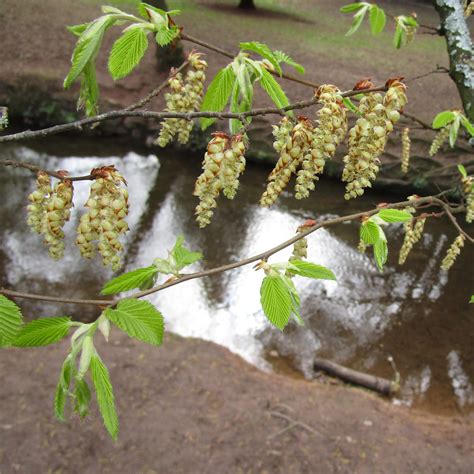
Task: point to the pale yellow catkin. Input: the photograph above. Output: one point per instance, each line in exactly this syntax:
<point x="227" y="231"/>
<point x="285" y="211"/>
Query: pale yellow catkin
<point x="405" y="149"/>
<point x="453" y="251"/>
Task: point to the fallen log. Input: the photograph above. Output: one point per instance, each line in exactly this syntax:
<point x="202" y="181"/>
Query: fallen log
<point x="378" y="384"/>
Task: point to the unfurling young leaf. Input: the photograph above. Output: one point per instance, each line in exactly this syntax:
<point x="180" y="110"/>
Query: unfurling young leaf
<point x="282" y="57"/>
<point x="129" y="281"/>
<point x="87" y="47"/>
<point x="353" y="7"/>
<point x="462" y="170"/>
<point x="139" y="319"/>
<point x="394" y="215"/>
<point x="42" y="332"/>
<point x="127" y="51"/>
<point x="165" y="35"/>
<point x="182" y="256"/>
<point x="350" y="105"/>
<point x="310" y="270"/>
<point x="453" y="131"/>
<point x="217" y="94"/>
<point x="264" y="51"/>
<point x="273" y="89"/>
<point x="443" y="118"/>
<point x="11" y="320"/>
<point x="62" y="389"/>
<point x="467" y="125"/>
<point x="82" y="397"/>
<point x="88" y="350"/>
<point x="105" y="395"/>
<point x="377" y="19"/>
<point x="358" y="18"/>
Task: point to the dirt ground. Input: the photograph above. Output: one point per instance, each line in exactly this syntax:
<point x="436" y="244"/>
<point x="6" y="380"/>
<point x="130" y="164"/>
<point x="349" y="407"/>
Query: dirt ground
<point x="193" y="407"/>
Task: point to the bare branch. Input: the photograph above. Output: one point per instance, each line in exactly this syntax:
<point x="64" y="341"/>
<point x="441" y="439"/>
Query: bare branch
<point x="421" y="202"/>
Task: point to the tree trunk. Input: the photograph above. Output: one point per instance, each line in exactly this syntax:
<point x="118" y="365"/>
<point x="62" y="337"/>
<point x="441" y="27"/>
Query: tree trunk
<point x="247" y="5"/>
<point x="461" y="56"/>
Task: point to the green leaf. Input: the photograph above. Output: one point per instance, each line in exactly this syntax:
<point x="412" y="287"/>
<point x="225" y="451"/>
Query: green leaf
<point x="165" y="35"/>
<point x="163" y="266"/>
<point x="105" y="395"/>
<point x="217" y="94"/>
<point x="89" y="93"/>
<point x="281" y="57"/>
<point x="242" y="73"/>
<point x="139" y="319"/>
<point x="443" y="118"/>
<point x="394" y="215"/>
<point x="377" y="19"/>
<point x="357" y="21"/>
<point x="453" y="132"/>
<point x="369" y="232"/>
<point x="77" y="30"/>
<point x="472" y="299"/>
<point x="129" y="281"/>
<point x="352" y="7"/>
<point x="182" y="256"/>
<point x="264" y="51"/>
<point x="350" y="105"/>
<point x="62" y="389"/>
<point x="276" y="300"/>
<point x="127" y="52"/>
<point x="380" y="253"/>
<point x="467" y="125"/>
<point x="462" y="170"/>
<point x="273" y="89"/>
<point x="399" y="37"/>
<point x="235" y="107"/>
<point x="311" y="270"/>
<point x="82" y="398"/>
<point x="43" y="332"/>
<point x="87" y="47"/>
<point x="11" y="320"/>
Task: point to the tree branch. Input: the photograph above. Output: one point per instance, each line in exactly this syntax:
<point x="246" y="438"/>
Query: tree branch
<point x="429" y="200"/>
<point x="123" y="113"/>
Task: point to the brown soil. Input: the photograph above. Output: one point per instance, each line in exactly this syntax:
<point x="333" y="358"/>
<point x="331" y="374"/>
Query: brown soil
<point x="191" y="406"/>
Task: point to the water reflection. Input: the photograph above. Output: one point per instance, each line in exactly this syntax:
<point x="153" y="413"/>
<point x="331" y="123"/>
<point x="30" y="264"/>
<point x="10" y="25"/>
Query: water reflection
<point x="414" y="313"/>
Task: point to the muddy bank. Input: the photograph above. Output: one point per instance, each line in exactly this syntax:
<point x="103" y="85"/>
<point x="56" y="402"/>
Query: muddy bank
<point x="192" y="406"/>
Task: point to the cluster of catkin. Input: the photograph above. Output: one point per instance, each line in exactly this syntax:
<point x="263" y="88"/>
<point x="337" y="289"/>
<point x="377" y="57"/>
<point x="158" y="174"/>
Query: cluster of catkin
<point x="223" y="164"/>
<point x="304" y="147"/>
<point x="468" y="188"/>
<point x="48" y="211"/>
<point x="185" y="96"/>
<point x="367" y="139"/>
<point x="104" y="222"/>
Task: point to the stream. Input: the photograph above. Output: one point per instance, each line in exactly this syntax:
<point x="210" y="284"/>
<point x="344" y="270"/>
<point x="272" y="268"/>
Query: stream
<point x="414" y="313"/>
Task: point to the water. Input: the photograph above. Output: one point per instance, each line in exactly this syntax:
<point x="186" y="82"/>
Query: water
<point x="413" y="313"/>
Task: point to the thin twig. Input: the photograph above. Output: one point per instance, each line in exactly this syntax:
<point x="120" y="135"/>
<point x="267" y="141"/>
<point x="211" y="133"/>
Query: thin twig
<point x="424" y="124"/>
<point x="228" y="54"/>
<point x="116" y="114"/>
<point x="433" y="200"/>
<point x="292" y="424"/>
<point x="54" y="174"/>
